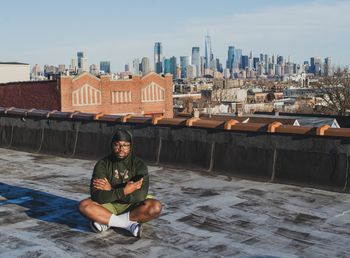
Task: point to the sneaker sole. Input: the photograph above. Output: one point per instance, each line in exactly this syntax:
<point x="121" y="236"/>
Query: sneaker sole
<point x="92" y="226"/>
<point x="139" y="234"/>
<point x="96" y="230"/>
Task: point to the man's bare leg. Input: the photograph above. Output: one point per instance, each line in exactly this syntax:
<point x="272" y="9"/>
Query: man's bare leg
<point x="148" y="210"/>
<point x="94" y="211"/>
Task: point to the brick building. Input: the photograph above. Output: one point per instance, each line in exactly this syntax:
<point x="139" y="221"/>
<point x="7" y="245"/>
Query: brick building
<point x="147" y="95"/>
<point x="31" y="94"/>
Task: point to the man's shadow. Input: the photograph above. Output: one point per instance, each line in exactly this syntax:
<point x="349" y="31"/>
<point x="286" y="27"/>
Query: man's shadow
<point x="45" y="206"/>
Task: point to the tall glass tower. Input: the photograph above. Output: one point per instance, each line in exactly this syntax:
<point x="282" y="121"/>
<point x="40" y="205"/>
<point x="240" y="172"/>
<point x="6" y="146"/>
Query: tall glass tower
<point x="230" y="57"/>
<point x="145" y="65"/>
<point x="105" y="66"/>
<point x="196" y="60"/>
<point x="208" y="55"/>
<point x="173" y="66"/>
<point x="158" y="57"/>
<point x="80" y="56"/>
<point x="184" y="62"/>
<point x="238" y="57"/>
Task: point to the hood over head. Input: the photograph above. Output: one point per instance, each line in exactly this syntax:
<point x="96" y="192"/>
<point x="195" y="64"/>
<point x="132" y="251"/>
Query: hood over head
<point x="123" y="135"/>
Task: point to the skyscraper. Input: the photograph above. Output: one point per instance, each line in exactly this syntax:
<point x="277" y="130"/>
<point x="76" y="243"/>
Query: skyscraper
<point x="315" y="65"/>
<point x="237" y="58"/>
<point x="136" y="66"/>
<point x="218" y="65"/>
<point x="244" y="62"/>
<point x="280" y="60"/>
<point x="328" y="66"/>
<point x="84" y="65"/>
<point x="210" y="62"/>
<point x="184" y="62"/>
<point x="94" y="69"/>
<point x="105" y="66"/>
<point x="255" y="62"/>
<point x="196" y="60"/>
<point x="158" y="57"/>
<point x="145" y="65"/>
<point x="230" y="57"/>
<point x="191" y="71"/>
<point x="73" y="65"/>
<point x="207" y="51"/>
<point x="80" y="56"/>
<point x="173" y="66"/>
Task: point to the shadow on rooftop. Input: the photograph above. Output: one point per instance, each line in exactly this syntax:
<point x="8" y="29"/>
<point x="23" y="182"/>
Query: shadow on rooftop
<point x="45" y="206"/>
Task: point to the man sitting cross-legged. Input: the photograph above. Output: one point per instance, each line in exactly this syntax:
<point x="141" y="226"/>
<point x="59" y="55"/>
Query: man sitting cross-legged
<point x="119" y="188"/>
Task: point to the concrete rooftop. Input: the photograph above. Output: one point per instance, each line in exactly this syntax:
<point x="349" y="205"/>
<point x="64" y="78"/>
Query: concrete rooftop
<point x="204" y="215"/>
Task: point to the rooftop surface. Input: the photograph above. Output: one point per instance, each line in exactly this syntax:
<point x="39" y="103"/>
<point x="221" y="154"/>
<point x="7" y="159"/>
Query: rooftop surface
<point x="204" y="214"/>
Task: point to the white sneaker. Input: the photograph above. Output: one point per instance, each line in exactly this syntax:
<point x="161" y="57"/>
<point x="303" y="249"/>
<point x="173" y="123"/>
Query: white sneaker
<point x="135" y="229"/>
<point x="97" y="227"/>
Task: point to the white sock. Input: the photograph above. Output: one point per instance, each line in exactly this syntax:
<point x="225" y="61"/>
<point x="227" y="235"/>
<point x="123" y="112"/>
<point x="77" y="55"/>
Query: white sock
<point x="120" y="221"/>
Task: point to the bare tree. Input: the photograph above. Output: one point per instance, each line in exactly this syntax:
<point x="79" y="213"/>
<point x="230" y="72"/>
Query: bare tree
<point x="305" y="105"/>
<point x="335" y="92"/>
<point x="188" y="105"/>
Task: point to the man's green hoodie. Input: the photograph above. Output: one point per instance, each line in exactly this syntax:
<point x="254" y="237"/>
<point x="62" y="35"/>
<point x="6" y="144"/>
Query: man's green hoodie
<point x="118" y="172"/>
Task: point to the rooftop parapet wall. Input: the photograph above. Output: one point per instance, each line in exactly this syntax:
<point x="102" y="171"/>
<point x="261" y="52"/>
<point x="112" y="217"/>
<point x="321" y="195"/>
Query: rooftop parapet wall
<point x="309" y="156"/>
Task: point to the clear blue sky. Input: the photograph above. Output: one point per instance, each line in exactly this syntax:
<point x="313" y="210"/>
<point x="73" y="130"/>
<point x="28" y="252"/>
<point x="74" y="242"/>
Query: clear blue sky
<point x="51" y="32"/>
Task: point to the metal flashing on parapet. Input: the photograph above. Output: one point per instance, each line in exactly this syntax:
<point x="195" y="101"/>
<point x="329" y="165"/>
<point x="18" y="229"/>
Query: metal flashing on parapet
<point x="229" y="125"/>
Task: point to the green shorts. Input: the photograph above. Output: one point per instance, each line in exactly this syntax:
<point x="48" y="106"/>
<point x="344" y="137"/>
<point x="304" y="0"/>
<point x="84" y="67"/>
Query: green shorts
<point x="119" y="208"/>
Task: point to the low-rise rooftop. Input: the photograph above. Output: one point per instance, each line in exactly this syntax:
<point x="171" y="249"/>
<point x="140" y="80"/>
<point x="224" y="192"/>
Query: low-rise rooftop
<point x="204" y="215"/>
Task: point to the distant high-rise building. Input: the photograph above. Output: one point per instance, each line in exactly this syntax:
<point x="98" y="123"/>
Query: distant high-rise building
<point x="80" y="56"/>
<point x="207" y="46"/>
<point x="227" y="73"/>
<point x="280" y="60"/>
<point x="94" y="69"/>
<point x="191" y="71"/>
<point x="315" y="65"/>
<point x="36" y="72"/>
<point x="73" y="67"/>
<point x="166" y="65"/>
<point x="288" y="69"/>
<point x="61" y="68"/>
<point x="237" y="59"/>
<point x="202" y="65"/>
<point x="208" y="54"/>
<point x="273" y="59"/>
<point x="127" y="68"/>
<point x="173" y="66"/>
<point x="255" y="62"/>
<point x="196" y="60"/>
<point x="244" y="62"/>
<point x="328" y="66"/>
<point x="266" y="62"/>
<point x="158" y="57"/>
<point x="105" y="66"/>
<point x="230" y="57"/>
<point x="136" y="66"/>
<point x="218" y="65"/>
<point x="271" y="70"/>
<point x="84" y="65"/>
<point x="145" y="65"/>
<point x="261" y="58"/>
<point x="184" y="62"/>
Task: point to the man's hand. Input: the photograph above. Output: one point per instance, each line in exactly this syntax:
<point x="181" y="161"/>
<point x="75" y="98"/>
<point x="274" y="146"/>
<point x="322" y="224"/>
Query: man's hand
<point x="132" y="186"/>
<point x="102" y="184"/>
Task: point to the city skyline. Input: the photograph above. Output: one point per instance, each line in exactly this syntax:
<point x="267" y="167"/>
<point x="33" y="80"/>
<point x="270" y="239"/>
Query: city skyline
<point x="119" y="34"/>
